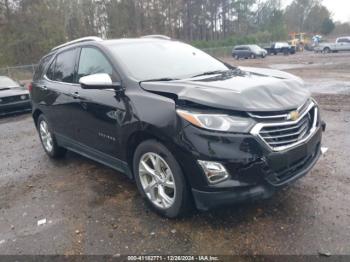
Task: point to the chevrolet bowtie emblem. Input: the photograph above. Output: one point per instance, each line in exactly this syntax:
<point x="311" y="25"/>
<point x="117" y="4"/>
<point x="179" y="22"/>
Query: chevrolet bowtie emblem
<point x="293" y="116"/>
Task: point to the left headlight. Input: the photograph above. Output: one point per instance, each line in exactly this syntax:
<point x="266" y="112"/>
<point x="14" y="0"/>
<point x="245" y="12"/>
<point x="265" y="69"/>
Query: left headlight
<point x="218" y="122"/>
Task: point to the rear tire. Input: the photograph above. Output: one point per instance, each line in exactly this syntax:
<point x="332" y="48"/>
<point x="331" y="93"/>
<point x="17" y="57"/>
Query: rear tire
<point x="252" y="56"/>
<point x="48" y="139"/>
<point x="160" y="180"/>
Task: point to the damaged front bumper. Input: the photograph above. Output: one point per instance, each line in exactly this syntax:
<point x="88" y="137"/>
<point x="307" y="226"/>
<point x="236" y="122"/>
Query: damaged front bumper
<point x="255" y="171"/>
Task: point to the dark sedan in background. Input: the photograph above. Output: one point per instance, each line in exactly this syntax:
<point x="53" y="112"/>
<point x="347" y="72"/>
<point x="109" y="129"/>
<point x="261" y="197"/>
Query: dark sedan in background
<point x="13" y="97"/>
<point x="280" y="47"/>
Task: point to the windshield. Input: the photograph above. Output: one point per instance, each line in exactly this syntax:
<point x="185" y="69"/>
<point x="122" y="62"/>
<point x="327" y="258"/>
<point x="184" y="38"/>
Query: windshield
<point x="7" y="82"/>
<point x="164" y="59"/>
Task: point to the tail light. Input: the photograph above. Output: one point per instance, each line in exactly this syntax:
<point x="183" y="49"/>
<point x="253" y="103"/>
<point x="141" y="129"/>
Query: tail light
<point x="30" y="87"/>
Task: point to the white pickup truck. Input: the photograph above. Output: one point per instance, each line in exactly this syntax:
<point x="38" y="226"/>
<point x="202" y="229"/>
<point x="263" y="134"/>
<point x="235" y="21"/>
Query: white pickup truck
<point x="341" y="44"/>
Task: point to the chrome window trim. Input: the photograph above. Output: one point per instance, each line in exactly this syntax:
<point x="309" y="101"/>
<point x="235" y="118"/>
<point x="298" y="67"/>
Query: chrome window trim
<point x="268" y="117"/>
<point x="70" y="84"/>
<point x="58" y="82"/>
<point x="79" y="40"/>
<point x="257" y="128"/>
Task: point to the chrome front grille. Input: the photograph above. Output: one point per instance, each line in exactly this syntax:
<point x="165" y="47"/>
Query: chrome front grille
<point x="283" y="135"/>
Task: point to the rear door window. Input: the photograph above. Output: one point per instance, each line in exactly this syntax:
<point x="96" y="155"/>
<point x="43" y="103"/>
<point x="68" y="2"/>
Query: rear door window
<point x="62" y="68"/>
<point x="343" y="40"/>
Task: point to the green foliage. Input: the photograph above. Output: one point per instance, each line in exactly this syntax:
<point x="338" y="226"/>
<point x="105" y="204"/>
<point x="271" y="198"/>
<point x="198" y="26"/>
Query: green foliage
<point x="327" y="26"/>
<point x="257" y="38"/>
<point x="30" y="28"/>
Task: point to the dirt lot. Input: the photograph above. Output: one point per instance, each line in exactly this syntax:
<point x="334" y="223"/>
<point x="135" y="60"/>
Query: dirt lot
<point x="91" y="209"/>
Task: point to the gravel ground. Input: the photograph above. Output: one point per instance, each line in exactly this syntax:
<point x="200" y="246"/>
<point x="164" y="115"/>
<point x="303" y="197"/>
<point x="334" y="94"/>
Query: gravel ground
<point x="91" y="209"/>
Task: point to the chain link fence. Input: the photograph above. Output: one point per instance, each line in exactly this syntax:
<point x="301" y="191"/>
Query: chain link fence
<point x="19" y="73"/>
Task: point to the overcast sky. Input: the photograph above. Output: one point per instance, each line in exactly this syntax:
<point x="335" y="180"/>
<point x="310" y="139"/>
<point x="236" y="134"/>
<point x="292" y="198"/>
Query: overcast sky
<point x="339" y="8"/>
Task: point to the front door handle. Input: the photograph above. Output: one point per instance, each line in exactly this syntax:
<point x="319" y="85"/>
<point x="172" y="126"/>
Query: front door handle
<point x="75" y="95"/>
<point x="43" y="87"/>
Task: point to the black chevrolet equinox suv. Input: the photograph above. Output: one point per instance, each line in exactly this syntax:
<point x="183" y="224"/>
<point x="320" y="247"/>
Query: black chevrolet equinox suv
<point x="188" y="128"/>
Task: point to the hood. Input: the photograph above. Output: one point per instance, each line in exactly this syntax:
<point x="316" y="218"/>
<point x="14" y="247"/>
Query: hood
<point x="14" y="91"/>
<point x="251" y="89"/>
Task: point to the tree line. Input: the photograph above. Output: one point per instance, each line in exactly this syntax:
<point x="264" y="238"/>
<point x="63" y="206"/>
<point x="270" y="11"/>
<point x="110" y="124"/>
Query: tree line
<point x="29" y="28"/>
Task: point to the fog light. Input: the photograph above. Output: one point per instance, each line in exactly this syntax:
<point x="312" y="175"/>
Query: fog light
<point x="215" y="172"/>
<point x="23" y="97"/>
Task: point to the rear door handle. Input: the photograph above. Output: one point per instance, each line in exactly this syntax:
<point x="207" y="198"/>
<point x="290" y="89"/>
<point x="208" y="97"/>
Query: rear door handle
<point x="75" y="95"/>
<point x="43" y="87"/>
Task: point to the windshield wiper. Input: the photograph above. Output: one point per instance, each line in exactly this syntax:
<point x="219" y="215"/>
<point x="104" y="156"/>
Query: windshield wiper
<point x="163" y="79"/>
<point x="216" y="72"/>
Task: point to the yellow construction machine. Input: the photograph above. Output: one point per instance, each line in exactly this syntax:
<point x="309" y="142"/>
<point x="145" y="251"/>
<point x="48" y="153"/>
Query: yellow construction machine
<point x="301" y="41"/>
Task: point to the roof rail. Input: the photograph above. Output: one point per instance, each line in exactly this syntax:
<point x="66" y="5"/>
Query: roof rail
<point x="164" y="37"/>
<point x="79" y="40"/>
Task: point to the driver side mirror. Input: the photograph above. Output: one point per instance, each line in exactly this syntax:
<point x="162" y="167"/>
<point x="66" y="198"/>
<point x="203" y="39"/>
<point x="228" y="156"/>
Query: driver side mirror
<point x="98" y="81"/>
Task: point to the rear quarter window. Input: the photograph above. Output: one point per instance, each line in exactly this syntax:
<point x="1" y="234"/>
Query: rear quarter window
<point x="40" y="69"/>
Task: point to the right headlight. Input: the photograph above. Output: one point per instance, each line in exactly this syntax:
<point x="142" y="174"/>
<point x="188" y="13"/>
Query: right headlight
<point x="217" y="122"/>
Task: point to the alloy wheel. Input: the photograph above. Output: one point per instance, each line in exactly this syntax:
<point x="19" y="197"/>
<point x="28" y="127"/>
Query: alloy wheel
<point x="45" y="136"/>
<point x="157" y="180"/>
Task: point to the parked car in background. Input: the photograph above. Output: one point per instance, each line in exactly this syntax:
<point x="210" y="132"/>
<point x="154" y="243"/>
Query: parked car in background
<point x="341" y="44"/>
<point x="185" y="126"/>
<point x="13" y="97"/>
<point x="248" y="51"/>
<point x="280" y="47"/>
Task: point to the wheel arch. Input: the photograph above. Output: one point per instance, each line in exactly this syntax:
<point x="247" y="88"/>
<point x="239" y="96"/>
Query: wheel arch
<point x="141" y="136"/>
<point x="36" y="115"/>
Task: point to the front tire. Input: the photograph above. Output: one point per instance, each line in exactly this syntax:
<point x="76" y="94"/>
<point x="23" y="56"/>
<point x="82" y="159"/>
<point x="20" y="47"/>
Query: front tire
<point x="160" y="180"/>
<point x="48" y="139"/>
